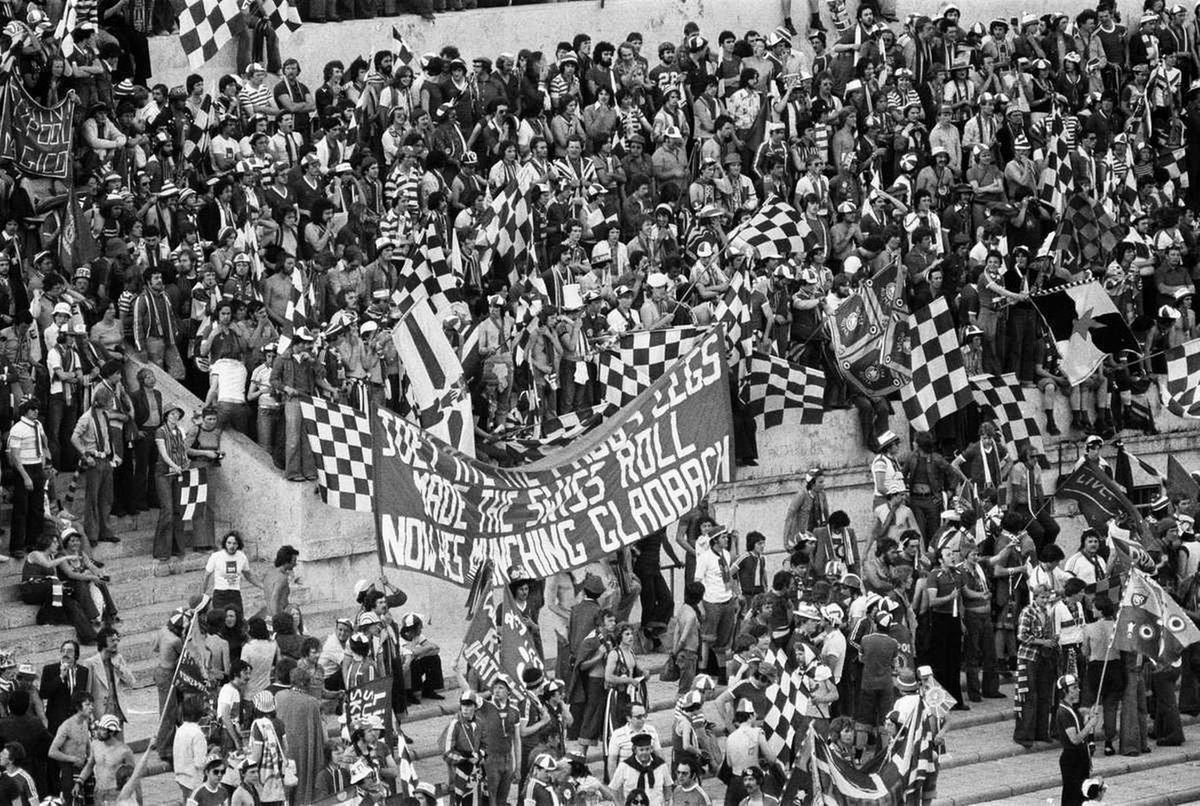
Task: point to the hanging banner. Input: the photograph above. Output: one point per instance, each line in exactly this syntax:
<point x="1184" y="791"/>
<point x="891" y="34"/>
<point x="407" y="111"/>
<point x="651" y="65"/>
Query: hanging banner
<point x="36" y="138"/>
<point x="372" y="698"/>
<point x="441" y="513"/>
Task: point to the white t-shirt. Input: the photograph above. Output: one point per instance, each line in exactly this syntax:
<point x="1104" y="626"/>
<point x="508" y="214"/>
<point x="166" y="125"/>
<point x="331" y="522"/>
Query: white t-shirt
<point x="834" y="645"/>
<point x="227" y="569"/>
<point x="708" y="571"/>
<point x="231" y="380"/>
<point x="1068" y="623"/>
<point x="229" y="701"/>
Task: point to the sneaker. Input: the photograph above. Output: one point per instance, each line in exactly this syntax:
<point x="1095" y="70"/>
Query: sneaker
<point x="432" y="695"/>
<point x="162" y="568"/>
<point x="1109" y="750"/>
<point x="4" y="558"/>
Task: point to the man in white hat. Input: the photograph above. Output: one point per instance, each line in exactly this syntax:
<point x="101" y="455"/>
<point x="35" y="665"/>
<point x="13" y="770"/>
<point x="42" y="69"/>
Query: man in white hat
<point x="108" y="754"/>
<point x="670" y="161"/>
<point x="622" y="319"/>
<point x="894" y="517"/>
<point x="885" y="468"/>
<point x="659" y="309"/>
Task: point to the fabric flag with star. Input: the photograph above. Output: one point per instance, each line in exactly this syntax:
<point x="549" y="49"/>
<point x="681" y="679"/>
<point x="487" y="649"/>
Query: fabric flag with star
<point x="1151" y="622"/>
<point x="1086" y="327"/>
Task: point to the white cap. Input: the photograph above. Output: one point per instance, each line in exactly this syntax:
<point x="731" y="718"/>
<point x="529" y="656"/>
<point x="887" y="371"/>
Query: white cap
<point x="656" y="279"/>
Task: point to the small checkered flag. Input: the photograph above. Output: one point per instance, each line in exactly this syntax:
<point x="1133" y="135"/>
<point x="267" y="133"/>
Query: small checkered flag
<point x="341" y="441"/>
<point x="206" y="25"/>
<point x="776" y="384"/>
<point x="939" y="384"/>
<point x="1173" y="164"/>
<point x="776" y="230"/>
<point x="193" y="491"/>
<point x="1183" y="379"/>
<point x="283" y="17"/>
<point x="1003" y="395"/>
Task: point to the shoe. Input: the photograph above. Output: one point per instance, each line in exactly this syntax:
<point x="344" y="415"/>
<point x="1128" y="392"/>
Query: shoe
<point x="1026" y="745"/>
<point x="162" y="568"/>
<point x="110" y="539"/>
<point x="995" y="696"/>
<point x="1051" y="426"/>
<point x="432" y="695"/>
<point x="961" y="706"/>
<point x="1109" y="750"/>
<point x="413" y="699"/>
<point x="815" y="23"/>
<point x="974" y="698"/>
<point x="407" y="738"/>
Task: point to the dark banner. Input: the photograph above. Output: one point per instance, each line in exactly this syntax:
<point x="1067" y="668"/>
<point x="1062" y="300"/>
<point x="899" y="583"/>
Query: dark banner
<point x="36" y="138"/>
<point x="373" y="698"/>
<point x="441" y="513"/>
<point x="499" y="643"/>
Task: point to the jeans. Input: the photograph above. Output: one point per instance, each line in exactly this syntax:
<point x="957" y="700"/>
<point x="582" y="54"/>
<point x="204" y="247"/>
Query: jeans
<point x="162" y="354"/>
<point x="945" y="654"/>
<point x="928" y="511"/>
<point x="61" y="415"/>
<point x="1020" y="339"/>
<point x="28" y="511"/>
<point x="1033" y="718"/>
<point x="299" y="463"/>
<point x="872" y="419"/>
<point x="499" y="780"/>
<point x="657" y="603"/>
<point x="236" y="415"/>
<point x="267" y="425"/>
<point x="97" y="500"/>
<point x="979" y="654"/>
<point x="145" y="453"/>
<point x="254" y="45"/>
<point x="168" y="534"/>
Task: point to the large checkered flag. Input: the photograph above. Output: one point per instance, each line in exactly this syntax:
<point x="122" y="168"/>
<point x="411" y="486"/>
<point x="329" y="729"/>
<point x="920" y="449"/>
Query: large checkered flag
<point x="206" y="25"/>
<point x="193" y="491"/>
<point x="633" y="361"/>
<point x="785" y="724"/>
<point x="1183" y="379"/>
<point x="507" y="228"/>
<point x="776" y="230"/>
<point x="1003" y="395"/>
<point x="939" y="384"/>
<point x="427" y="275"/>
<point x="621" y="382"/>
<point x="776" y="384"/>
<point x="341" y="442"/>
<point x="1057" y="179"/>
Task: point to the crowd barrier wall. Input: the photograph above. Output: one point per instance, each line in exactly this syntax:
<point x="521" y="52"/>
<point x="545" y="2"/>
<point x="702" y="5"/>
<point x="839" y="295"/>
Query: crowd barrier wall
<point x="539" y="27"/>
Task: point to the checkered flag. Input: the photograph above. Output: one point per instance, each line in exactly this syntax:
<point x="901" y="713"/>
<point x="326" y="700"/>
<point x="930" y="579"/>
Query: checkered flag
<point x="939" y="383"/>
<point x="341" y="442"/>
<point x="733" y="312"/>
<point x="508" y="227"/>
<point x="1003" y="395"/>
<point x="656" y="350"/>
<point x="1057" y="178"/>
<point x="622" y="382"/>
<point x="206" y="25"/>
<point x="1173" y="163"/>
<point x="1183" y="379"/>
<point x="776" y="384"/>
<point x="283" y="16"/>
<point x="776" y="230"/>
<point x="785" y="724"/>
<point x="557" y="432"/>
<point x="193" y="491"/>
<point x="427" y="275"/>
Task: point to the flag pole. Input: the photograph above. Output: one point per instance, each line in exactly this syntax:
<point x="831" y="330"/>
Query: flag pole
<point x="187" y="636"/>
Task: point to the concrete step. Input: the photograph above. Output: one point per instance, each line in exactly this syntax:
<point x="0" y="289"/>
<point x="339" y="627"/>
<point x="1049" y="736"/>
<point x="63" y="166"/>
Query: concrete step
<point x="1168" y="785"/>
<point x="133" y="586"/>
<point x="1031" y="777"/>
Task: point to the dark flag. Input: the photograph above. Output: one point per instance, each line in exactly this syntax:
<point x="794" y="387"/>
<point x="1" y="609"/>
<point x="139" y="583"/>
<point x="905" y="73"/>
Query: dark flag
<point x="371" y="698"/>
<point x="1151" y="622"/>
<point x="1099" y="498"/>
<point x="1086" y="326"/>
<point x="36" y="138"/>
<point x="1180" y="482"/>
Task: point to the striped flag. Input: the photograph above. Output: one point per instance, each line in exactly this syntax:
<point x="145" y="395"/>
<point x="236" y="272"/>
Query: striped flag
<point x="939" y="384"/>
<point x="451" y="419"/>
<point x="205" y="26"/>
<point x="298" y="313"/>
<point x="428" y="358"/>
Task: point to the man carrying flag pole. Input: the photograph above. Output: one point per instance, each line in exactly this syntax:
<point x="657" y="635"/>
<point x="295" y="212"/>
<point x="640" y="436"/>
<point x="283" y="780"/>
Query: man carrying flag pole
<point x="181" y="635"/>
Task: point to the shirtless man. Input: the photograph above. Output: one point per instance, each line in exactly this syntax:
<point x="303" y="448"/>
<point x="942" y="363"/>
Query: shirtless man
<point x="71" y="747"/>
<point x="108" y="754"/>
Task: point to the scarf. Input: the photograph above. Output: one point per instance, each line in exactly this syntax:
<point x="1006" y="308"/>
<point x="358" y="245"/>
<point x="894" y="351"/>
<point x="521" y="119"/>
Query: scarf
<point x="645" y="781"/>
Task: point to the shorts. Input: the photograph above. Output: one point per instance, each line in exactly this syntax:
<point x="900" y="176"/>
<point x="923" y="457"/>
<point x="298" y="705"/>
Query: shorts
<point x="719" y="622"/>
<point x="874" y="706"/>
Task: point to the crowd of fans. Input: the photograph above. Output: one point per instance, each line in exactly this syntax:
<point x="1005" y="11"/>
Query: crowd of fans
<point x="920" y="143"/>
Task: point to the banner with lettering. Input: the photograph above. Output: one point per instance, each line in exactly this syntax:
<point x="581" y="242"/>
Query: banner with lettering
<point x="372" y="698"/>
<point x="36" y="138"/>
<point x="499" y="642"/>
<point x="442" y="513"/>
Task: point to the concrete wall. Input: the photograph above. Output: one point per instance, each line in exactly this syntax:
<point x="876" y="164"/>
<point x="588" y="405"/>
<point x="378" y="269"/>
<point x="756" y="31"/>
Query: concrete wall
<point x="540" y="27"/>
<point x="758" y="499"/>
